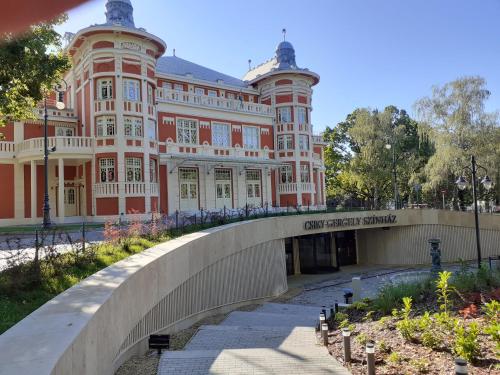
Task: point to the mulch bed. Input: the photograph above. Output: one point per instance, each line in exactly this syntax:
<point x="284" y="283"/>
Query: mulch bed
<point x="410" y="358"/>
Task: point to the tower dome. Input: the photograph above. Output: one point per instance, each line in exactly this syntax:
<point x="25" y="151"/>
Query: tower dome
<point x="120" y="12"/>
<point x="285" y="55"/>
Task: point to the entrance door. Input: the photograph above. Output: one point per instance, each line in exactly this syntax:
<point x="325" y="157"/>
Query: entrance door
<point x="254" y="188"/>
<point x="346" y="247"/>
<point x="188" y="189"/>
<point x="70" y="198"/>
<point x="223" y="189"/>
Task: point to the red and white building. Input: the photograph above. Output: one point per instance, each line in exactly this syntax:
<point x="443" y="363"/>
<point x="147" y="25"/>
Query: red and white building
<point x="145" y="133"/>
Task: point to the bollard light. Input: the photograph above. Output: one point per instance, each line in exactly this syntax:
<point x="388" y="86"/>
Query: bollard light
<point x="346" y="335"/>
<point x="370" y="357"/>
<point x="324" y="333"/>
<point x="460" y="366"/>
<point x="321" y="321"/>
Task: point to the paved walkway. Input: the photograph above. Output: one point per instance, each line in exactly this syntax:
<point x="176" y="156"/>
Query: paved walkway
<point x="274" y="339"/>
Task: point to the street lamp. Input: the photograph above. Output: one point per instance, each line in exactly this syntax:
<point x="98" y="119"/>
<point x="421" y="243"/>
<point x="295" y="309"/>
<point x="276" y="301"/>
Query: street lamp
<point x="58" y="88"/>
<point x="388" y="146"/>
<point x="462" y="184"/>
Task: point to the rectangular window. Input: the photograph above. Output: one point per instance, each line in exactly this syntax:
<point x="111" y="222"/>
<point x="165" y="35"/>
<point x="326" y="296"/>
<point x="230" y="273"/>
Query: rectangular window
<point x="150" y="94"/>
<point x="230" y="95"/>
<point x="286" y="174"/>
<point x="107" y="170"/>
<point x="153" y="176"/>
<point x="187" y="131"/>
<point x="133" y="169"/>
<point x="212" y="93"/>
<point x="199" y="91"/>
<point x="304" y="173"/>
<point x="105" y="89"/>
<point x="105" y="126"/>
<point x="151" y="129"/>
<point x="285" y="142"/>
<point x="220" y="135"/>
<point x="303" y="142"/>
<point x="133" y="126"/>
<point x="178" y="87"/>
<point x="253" y="183"/>
<point x="166" y="85"/>
<point x="250" y="137"/>
<point x="301" y="114"/>
<point x="284" y="114"/>
<point x="131" y="90"/>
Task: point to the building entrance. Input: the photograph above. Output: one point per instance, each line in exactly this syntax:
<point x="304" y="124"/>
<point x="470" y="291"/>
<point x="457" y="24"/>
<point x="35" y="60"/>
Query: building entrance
<point x="345" y="243"/>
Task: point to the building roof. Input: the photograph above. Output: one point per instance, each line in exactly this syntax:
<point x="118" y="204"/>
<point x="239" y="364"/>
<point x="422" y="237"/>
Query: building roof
<point x="183" y="68"/>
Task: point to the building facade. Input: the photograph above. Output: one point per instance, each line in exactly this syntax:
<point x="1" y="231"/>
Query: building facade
<point x="146" y="133"/>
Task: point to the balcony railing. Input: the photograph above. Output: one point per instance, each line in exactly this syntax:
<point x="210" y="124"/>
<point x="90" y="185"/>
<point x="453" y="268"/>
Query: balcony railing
<point x="175" y="96"/>
<point x="7" y="149"/>
<point x="34" y="147"/>
<point x="318" y="139"/>
<point x="207" y="150"/>
<point x="292" y="187"/>
<point x="129" y="189"/>
<point x="106" y="105"/>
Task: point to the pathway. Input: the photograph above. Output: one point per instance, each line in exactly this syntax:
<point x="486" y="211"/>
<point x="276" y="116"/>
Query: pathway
<point x="274" y="339"/>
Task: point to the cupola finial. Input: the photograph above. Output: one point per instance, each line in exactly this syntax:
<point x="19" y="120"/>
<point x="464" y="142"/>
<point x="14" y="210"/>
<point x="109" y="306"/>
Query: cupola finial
<point x="284" y="34"/>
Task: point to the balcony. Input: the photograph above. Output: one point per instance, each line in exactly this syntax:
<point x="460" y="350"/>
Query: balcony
<point x="165" y="95"/>
<point x="292" y="187"/>
<point x="75" y="147"/>
<point x="318" y="139"/>
<point x="104" y="106"/>
<point x="223" y="152"/>
<point x="129" y="189"/>
<point x="7" y="150"/>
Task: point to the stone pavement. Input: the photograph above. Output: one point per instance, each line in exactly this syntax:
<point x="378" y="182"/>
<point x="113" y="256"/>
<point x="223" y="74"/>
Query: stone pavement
<point x="274" y="339"/>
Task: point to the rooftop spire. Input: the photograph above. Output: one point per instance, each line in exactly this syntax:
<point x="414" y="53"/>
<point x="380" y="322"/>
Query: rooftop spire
<point x="284" y="34"/>
<point x="120" y="12"/>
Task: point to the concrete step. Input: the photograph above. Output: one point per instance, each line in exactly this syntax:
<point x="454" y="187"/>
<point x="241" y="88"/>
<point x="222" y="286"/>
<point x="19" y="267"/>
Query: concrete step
<point x="284" y="308"/>
<point x="259" y="361"/>
<point x="236" y="337"/>
<point x="245" y="319"/>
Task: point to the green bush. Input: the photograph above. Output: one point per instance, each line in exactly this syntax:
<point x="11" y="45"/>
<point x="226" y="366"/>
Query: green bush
<point x="421" y="365"/>
<point x="407" y="327"/>
<point x="465" y="281"/>
<point x="362" y="339"/>
<point x="466" y="344"/>
<point x="394" y="358"/>
<point x="492" y="312"/>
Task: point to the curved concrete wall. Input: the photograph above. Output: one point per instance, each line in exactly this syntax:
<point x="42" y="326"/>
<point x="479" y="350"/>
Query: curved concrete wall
<point x="92" y="327"/>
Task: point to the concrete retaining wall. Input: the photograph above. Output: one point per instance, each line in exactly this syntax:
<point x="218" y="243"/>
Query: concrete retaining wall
<point x="91" y="328"/>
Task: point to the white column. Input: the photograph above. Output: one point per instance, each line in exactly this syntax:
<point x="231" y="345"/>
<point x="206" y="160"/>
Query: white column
<point x="145" y="118"/>
<point x="297" y="154"/>
<point x="120" y="143"/>
<point x="60" y="193"/>
<point x="33" y="189"/>
<point x="83" y="200"/>
<point x="18" y="175"/>
<point x="318" y="188"/>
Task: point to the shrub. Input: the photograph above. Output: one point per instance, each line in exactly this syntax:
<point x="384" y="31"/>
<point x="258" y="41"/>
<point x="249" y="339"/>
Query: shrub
<point x="421" y="365"/>
<point x="339" y="317"/>
<point x="369" y="316"/>
<point x="384" y="347"/>
<point x="444" y="290"/>
<point x="384" y="322"/>
<point x="492" y="311"/>
<point x="394" y="358"/>
<point x="362" y="339"/>
<point x="466" y="344"/>
<point x="358" y="305"/>
<point x="430" y="335"/>
<point x="407" y="327"/>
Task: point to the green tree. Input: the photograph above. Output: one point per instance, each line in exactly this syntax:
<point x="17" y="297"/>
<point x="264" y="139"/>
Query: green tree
<point x="30" y="63"/>
<point x="456" y="121"/>
<point x="358" y="164"/>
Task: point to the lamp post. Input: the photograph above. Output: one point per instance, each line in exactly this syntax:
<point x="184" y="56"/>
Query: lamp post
<point x="388" y="146"/>
<point x="462" y="184"/>
<point x="58" y="88"/>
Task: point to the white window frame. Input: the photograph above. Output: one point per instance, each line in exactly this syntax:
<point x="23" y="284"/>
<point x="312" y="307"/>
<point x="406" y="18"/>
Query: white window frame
<point x="302" y="115"/>
<point x="178" y="87"/>
<point x="212" y="93"/>
<point x="131" y="90"/>
<point x="186" y="130"/>
<point x="105" y="88"/>
<point x="150" y="94"/>
<point x="303" y="142"/>
<point x="199" y="91"/>
<point x="133" y="127"/>
<point x="305" y="173"/>
<point x="105" y="126"/>
<point x="133" y="169"/>
<point x="151" y="131"/>
<point x="285" y="142"/>
<point x="217" y="134"/>
<point x="107" y="165"/>
<point x="253" y="183"/>
<point x="286" y="174"/>
<point x="249" y="141"/>
<point x="284" y="114"/>
<point x="153" y="170"/>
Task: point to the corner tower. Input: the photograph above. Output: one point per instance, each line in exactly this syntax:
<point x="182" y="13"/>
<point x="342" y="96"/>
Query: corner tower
<point x="288" y="89"/>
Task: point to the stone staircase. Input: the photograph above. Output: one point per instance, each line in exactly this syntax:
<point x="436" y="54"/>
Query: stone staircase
<point x="274" y="339"/>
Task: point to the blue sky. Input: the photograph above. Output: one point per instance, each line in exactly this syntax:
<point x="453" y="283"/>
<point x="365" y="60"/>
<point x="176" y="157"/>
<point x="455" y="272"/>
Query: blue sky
<point x="368" y="53"/>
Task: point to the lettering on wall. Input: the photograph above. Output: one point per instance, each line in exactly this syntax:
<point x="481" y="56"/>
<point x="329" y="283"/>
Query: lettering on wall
<point x="131" y="45"/>
<point x="349" y="222"/>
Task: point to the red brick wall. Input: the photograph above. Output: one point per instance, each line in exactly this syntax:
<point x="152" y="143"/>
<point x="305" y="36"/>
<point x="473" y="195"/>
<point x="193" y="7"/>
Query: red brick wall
<point x="135" y="205"/>
<point x="27" y="191"/>
<point x="103" y="44"/>
<point x="88" y="186"/>
<point x="107" y="206"/>
<point x="163" y="189"/>
<point x="7" y="191"/>
<point x="86" y="116"/>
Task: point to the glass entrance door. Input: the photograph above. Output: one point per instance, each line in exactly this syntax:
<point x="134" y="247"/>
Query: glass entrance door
<point x="254" y="188"/>
<point x="345" y="242"/>
<point x="188" y="189"/>
<point x="223" y="188"/>
<point x="70" y="198"/>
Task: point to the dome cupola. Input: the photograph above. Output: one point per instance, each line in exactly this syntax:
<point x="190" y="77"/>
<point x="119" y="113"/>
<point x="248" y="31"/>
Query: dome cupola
<point x="120" y="12"/>
<point x="285" y="56"/>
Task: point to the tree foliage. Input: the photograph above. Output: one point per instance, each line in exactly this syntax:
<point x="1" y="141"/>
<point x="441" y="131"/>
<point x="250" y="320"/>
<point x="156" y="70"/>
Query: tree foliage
<point x="30" y="63"/>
